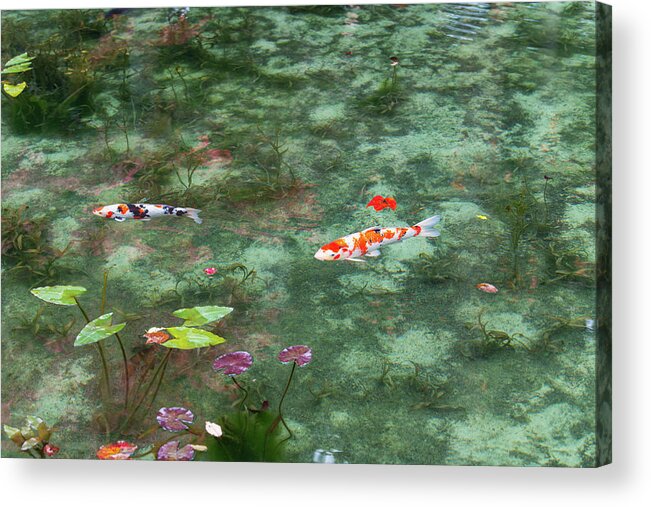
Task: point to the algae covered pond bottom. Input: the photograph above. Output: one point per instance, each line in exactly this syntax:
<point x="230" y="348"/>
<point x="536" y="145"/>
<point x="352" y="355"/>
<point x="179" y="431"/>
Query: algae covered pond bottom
<point x="281" y="125"/>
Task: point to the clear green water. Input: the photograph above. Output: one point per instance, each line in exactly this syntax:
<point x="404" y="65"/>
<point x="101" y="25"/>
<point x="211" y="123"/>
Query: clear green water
<point x="490" y="99"/>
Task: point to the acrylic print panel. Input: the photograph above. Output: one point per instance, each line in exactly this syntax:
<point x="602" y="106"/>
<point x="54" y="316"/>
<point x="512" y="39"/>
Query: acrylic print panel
<point x="331" y="234"/>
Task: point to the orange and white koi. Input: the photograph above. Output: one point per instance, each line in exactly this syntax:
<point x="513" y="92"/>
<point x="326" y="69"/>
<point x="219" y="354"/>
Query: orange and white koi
<point x="145" y="212"/>
<point x="368" y="242"/>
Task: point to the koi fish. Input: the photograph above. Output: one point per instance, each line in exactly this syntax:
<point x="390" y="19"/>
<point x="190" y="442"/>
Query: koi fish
<point x="379" y="203"/>
<point x="120" y="212"/>
<point x="368" y="242"/>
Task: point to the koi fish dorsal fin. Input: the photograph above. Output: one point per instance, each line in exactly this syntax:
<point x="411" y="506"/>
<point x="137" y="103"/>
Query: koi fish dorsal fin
<point x="375" y="227"/>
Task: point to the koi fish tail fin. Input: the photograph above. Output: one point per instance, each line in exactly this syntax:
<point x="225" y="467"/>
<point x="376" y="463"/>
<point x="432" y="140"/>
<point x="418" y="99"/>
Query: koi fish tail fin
<point x="194" y="214"/>
<point x="427" y="227"/>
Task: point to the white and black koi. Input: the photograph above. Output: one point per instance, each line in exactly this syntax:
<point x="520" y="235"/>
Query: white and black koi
<point x="121" y="212"/>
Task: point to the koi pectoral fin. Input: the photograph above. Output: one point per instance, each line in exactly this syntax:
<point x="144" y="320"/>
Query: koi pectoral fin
<point x="351" y="259"/>
<point x="374" y="253"/>
<point x="119" y="219"/>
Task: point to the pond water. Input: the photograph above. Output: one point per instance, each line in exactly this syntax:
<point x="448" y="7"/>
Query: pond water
<point x="281" y="124"/>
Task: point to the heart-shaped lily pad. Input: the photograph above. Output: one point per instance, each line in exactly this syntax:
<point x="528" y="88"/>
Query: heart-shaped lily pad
<point x="97" y="330"/>
<point x="59" y="294"/>
<point x="187" y="338"/>
<point x="200" y="315"/>
<point x="14" y="90"/>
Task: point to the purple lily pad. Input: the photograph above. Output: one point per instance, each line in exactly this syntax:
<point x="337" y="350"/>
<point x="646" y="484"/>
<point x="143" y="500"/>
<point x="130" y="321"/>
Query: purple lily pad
<point x="300" y="354"/>
<point x="174" y="418"/>
<point x="233" y="363"/>
<point x="171" y="452"/>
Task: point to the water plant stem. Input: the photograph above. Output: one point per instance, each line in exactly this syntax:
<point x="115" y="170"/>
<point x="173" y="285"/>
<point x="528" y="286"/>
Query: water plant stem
<point x="545" y="199"/>
<point x="147" y="389"/>
<point x="117" y="337"/>
<point x="126" y="371"/>
<point x="160" y="381"/>
<point x="241" y="388"/>
<point x="282" y="399"/>
<point x="100" y="351"/>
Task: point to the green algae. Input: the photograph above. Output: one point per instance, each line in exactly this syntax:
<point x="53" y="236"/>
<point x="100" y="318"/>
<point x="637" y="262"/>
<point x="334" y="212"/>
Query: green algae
<point x="475" y="117"/>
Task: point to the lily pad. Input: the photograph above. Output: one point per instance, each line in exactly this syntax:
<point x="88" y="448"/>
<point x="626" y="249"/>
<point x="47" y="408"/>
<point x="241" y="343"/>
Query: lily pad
<point x="200" y="315"/>
<point x="97" y="330"/>
<point x="187" y="338"/>
<point x="14" y="90"/>
<point x="59" y="294"/>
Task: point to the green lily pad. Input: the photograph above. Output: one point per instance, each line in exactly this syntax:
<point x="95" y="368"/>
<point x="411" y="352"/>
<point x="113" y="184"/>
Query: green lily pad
<point x="200" y="315"/>
<point x="97" y="330"/>
<point x="187" y="338"/>
<point x="14" y="90"/>
<point x="59" y="294"/>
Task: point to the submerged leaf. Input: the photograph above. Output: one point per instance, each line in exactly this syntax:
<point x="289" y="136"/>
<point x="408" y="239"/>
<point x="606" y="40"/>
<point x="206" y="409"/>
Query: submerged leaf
<point x="97" y="330"/>
<point x="22" y="62"/>
<point x="187" y="338"/>
<point x="14" y="434"/>
<point x="14" y="90"/>
<point x="200" y="315"/>
<point x="59" y="294"/>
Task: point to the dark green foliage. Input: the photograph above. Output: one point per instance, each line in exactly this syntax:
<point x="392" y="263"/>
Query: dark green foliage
<point x="25" y="247"/>
<point x="60" y="93"/>
<point x="248" y="436"/>
<point x="438" y="268"/>
<point x="265" y="174"/>
<point x="490" y="341"/>
<point x="229" y="285"/>
<point x="569" y="264"/>
<point x="386" y="96"/>
<point x="553" y="336"/>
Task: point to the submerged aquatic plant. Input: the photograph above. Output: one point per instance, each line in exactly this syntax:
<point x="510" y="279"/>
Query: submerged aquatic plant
<point x="26" y="249"/>
<point x="439" y="268"/>
<point x="491" y="340"/>
<point x="298" y="355"/>
<point x="388" y="94"/>
<point x="230" y="283"/>
<point x="33" y="438"/>
<point x="569" y="264"/>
